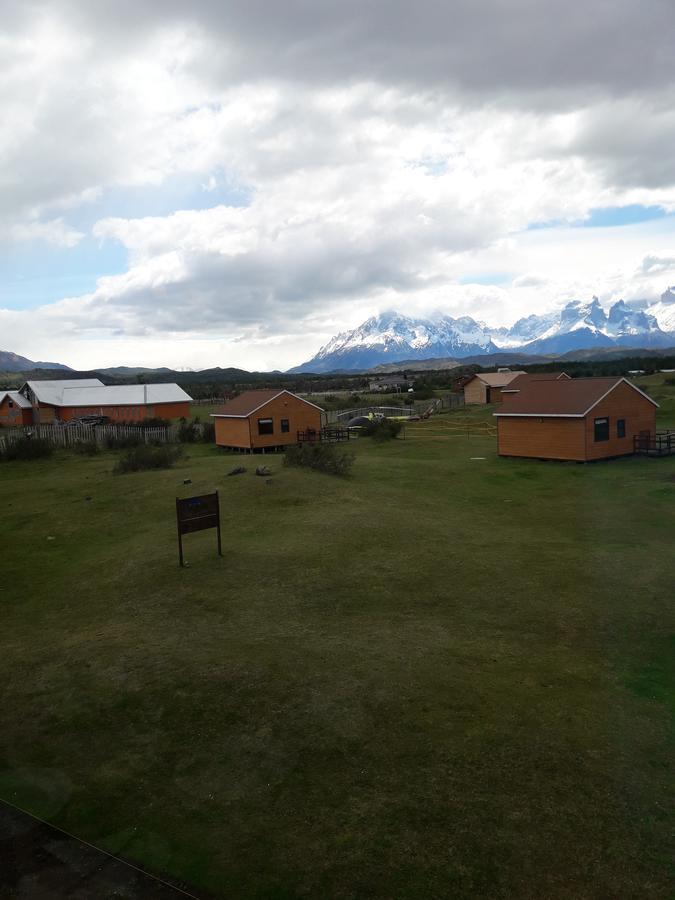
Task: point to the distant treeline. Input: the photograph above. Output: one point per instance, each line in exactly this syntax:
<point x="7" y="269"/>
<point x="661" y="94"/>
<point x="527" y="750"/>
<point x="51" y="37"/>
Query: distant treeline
<point x="218" y="382"/>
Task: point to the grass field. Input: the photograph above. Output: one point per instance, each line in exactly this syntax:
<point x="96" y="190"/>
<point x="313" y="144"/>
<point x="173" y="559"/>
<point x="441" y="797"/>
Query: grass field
<point x="440" y="676"/>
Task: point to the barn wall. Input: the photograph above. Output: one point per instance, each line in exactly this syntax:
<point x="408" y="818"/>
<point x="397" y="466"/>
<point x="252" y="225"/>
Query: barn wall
<point x="622" y="403"/>
<point x="232" y="433"/>
<point x="475" y="391"/>
<point x="127" y="412"/>
<point x="14" y="416"/>
<point x="541" y="438"/>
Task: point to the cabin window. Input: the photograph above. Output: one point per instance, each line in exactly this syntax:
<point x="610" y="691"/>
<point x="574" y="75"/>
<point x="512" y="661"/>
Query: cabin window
<point x="11" y="404"/>
<point x="265" y="426"/>
<point x="601" y="429"/>
<point x="621" y="428"/>
<point x="285" y="426"/>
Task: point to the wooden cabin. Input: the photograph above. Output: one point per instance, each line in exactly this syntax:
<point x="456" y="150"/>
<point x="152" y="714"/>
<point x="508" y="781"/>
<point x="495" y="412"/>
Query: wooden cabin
<point x="486" y="387"/>
<point x="61" y="401"/>
<point x="580" y="419"/>
<point x="15" y="410"/>
<point x="265" y="420"/>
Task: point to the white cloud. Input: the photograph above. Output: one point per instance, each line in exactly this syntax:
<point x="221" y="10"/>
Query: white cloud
<point x="386" y="156"/>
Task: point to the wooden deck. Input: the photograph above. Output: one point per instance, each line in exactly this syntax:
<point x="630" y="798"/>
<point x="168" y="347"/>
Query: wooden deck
<point x="660" y="444"/>
<point x="329" y="434"/>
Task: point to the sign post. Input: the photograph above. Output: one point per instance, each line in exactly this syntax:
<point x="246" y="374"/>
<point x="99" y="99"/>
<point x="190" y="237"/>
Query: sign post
<point x="196" y="514"/>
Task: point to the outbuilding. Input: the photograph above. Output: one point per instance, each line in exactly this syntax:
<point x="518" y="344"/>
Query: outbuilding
<point x="265" y="420"/>
<point x="15" y="410"/>
<point x="580" y="419"/>
<point x="486" y="387"/>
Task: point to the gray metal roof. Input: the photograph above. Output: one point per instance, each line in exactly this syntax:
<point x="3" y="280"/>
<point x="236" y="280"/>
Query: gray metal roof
<point x="18" y="398"/>
<point x="92" y="392"/>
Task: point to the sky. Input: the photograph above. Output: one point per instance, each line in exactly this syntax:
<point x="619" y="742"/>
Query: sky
<point x="231" y="182"/>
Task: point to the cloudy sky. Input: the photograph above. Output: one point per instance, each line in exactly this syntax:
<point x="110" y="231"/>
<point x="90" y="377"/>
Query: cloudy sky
<point x="230" y="182"/>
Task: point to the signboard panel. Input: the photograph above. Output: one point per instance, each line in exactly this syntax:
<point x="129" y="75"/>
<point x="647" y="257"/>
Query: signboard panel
<point x="196" y="514"/>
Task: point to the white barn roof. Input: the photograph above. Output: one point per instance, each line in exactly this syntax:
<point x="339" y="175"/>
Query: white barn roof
<point x="52" y="391"/>
<point x="92" y="392"/>
<point x="18" y="398"/>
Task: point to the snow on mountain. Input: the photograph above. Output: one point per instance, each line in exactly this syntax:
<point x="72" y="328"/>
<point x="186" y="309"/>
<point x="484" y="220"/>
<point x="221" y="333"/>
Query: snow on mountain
<point x="664" y="311"/>
<point x="391" y="336"/>
<point x="581" y="326"/>
<point x="524" y="330"/>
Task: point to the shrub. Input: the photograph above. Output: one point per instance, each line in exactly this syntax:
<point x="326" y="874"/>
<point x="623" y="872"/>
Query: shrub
<point x="154" y="422"/>
<point x="122" y="443"/>
<point x="208" y="433"/>
<point x="86" y="448"/>
<point x="27" y="448"/>
<point x="187" y="431"/>
<point x="147" y="456"/>
<point x="382" y="429"/>
<point x="329" y="458"/>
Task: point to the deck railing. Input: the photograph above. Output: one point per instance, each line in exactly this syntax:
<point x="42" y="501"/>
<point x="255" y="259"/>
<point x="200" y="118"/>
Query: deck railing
<point x="662" y="443"/>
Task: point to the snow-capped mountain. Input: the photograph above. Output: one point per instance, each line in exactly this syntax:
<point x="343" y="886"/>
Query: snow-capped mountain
<point x="392" y="336"/>
<point x="664" y="310"/>
<point x="581" y="326"/>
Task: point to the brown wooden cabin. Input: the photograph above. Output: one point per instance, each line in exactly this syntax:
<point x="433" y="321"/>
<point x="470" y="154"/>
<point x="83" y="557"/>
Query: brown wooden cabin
<point x="486" y="387"/>
<point x="15" y="410"/>
<point x="580" y="419"/>
<point x="265" y="420"/>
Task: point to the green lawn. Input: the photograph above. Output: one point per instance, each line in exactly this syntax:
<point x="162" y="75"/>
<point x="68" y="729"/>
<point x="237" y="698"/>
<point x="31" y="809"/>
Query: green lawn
<point x="439" y="677"/>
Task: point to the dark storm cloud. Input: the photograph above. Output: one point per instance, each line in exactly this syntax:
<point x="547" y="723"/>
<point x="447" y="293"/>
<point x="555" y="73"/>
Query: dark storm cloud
<point x="494" y="46"/>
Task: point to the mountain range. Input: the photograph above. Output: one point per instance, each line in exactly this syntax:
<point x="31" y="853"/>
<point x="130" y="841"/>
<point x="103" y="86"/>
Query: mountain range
<point x="394" y="337"/>
<point x="12" y="362"/>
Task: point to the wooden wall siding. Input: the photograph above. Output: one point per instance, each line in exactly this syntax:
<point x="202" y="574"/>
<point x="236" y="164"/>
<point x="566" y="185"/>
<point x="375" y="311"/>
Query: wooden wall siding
<point x="494" y="395"/>
<point x="622" y="403"/>
<point x="126" y="413"/>
<point x="301" y="417"/>
<point x="475" y="392"/>
<point x="546" y="438"/>
<point x="14" y="416"/>
<point x="233" y="433"/>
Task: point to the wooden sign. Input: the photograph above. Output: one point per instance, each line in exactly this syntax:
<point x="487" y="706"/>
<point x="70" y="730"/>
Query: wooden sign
<point x="196" y="514"/>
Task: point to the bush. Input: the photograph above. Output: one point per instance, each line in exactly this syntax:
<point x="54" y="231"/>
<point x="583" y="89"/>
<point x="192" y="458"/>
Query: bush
<point x="209" y="433"/>
<point x="328" y="458"/>
<point x="147" y="456"/>
<point x="27" y="448"/>
<point x="86" y="448"/>
<point x="123" y="443"/>
<point x="187" y="431"/>
<point x="382" y="429"/>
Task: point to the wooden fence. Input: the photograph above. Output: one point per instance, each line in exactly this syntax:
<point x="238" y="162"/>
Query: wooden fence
<point x="66" y="436"/>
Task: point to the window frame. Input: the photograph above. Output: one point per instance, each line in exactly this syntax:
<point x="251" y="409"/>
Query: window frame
<point x="601" y="422"/>
<point x="621" y="428"/>
<point x="265" y="422"/>
<point x="285" y="426"/>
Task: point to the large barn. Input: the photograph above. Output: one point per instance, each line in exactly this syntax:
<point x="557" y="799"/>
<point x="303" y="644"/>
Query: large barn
<point x="61" y="401"/>
<point x="580" y="419"/>
<point x="264" y="420"/>
<point x="486" y="387"/>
